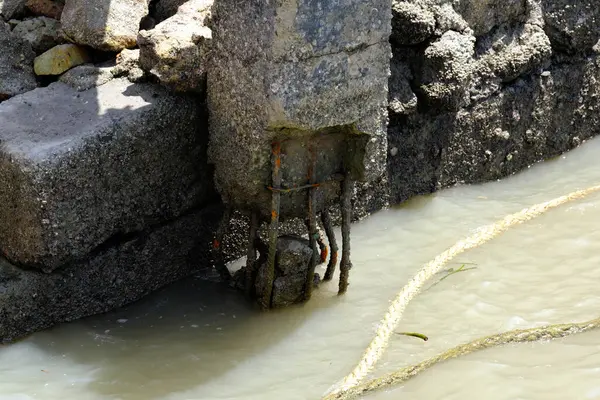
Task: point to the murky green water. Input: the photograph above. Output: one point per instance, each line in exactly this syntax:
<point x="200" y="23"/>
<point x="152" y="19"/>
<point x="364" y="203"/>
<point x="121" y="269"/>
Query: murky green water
<point x="197" y="340"/>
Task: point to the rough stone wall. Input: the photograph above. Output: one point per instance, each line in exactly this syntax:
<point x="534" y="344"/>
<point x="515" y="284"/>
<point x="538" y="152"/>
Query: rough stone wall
<point x="482" y="89"/>
<point x="479" y="89"/>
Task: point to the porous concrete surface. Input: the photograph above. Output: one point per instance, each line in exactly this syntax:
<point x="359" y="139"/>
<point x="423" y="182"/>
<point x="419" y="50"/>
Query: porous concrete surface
<point x="315" y="73"/>
<point x="572" y="26"/>
<point x="81" y="167"/>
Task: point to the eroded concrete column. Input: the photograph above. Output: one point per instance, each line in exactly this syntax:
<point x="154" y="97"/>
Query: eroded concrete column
<point x="297" y="69"/>
<point x="297" y="93"/>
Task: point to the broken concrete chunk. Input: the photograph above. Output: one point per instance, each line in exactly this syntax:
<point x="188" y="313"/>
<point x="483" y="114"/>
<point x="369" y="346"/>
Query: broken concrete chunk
<point x="176" y="51"/>
<point x="292" y="261"/>
<point x="104" y="25"/>
<point x="47" y="8"/>
<point x="293" y="255"/>
<point x="16" y="64"/>
<point x="59" y="59"/>
<point x="80" y="168"/>
<point x="10" y="9"/>
<point x="42" y="33"/>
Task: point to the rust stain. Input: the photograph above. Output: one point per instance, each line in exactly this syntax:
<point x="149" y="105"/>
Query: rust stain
<point x="324" y="254"/>
<point x="273" y="214"/>
<point x="216" y="244"/>
<point x="334" y="257"/>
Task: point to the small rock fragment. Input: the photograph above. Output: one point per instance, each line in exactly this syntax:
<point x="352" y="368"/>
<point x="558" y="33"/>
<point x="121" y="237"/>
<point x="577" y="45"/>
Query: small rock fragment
<point x="176" y="51"/>
<point x="59" y="59"/>
<point x="128" y="64"/>
<point x="84" y="77"/>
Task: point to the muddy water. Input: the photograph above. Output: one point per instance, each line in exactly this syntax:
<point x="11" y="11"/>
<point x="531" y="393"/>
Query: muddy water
<point x="198" y="340"/>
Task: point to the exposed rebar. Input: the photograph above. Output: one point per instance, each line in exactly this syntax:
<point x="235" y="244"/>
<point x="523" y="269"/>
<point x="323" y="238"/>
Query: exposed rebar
<point x="328" y="225"/>
<point x="312" y="228"/>
<point x="219" y="260"/>
<point x="346" y="207"/>
<point x="251" y="255"/>
<point x="323" y="250"/>
<point x="265" y="300"/>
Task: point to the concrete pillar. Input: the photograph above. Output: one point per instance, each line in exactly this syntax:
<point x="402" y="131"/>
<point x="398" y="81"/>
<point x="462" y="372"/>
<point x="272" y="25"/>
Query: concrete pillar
<point x="309" y="74"/>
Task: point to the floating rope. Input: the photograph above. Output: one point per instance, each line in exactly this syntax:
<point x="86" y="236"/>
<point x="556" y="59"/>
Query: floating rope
<point x="517" y="336"/>
<point x="391" y="319"/>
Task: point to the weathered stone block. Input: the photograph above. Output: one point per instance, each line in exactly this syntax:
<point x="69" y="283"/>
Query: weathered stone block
<point x="104" y="25"/>
<point x="176" y="51"/>
<point x="77" y="168"/>
<point x="111" y="277"/>
<point x="16" y="64"/>
<point x="296" y="70"/>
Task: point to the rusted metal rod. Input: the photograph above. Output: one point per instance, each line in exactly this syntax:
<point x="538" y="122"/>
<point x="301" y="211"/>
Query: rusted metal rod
<point x="346" y="206"/>
<point x="328" y="225"/>
<point x="322" y="246"/>
<point x="219" y="260"/>
<point x="293" y="189"/>
<point x="312" y="229"/>
<point x="251" y="255"/>
<point x="265" y="300"/>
